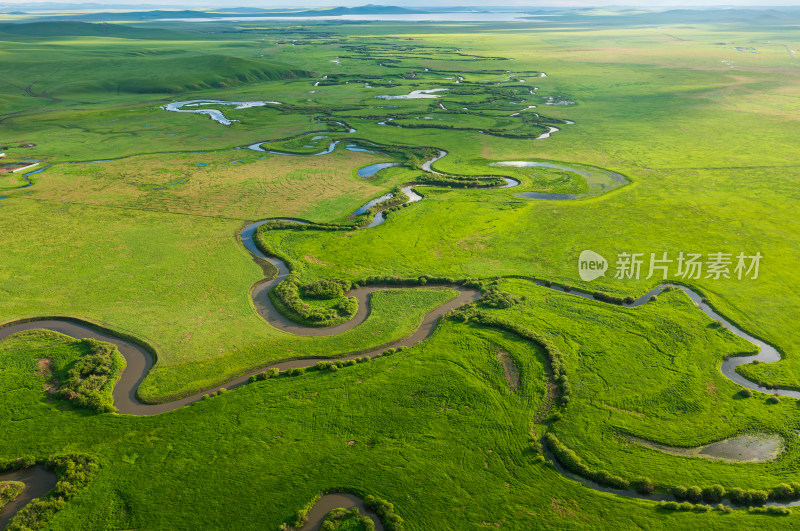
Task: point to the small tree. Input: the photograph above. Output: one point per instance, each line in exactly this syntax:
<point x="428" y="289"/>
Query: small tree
<point x="679" y="491"/>
<point x="643" y="485"/>
<point x="714" y="493"/>
<point x="694" y="494"/>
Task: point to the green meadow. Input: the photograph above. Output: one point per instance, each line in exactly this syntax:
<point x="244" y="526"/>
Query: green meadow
<point x="133" y="224"/>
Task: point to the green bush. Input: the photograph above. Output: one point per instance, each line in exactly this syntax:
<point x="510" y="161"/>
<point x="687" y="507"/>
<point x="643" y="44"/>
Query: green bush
<point x="774" y="399"/>
<point x="604" y="297"/>
<point x="384" y="509"/>
<point x="288" y="293"/>
<point x="758" y="497"/>
<point x="328" y="288"/>
<point x="90" y="380"/>
<point x="327" y="366"/>
<point x="74" y="472"/>
<point x="738" y="496"/>
<point x="713" y="494"/>
<point x="694" y="494"/>
<point x="746" y="393"/>
<point x="771" y="510"/>
<point x="341" y="518"/>
<point x="643" y="485"/>
<point x="679" y="492"/>
<point x="265" y="375"/>
<point x="494" y="298"/>
<point x="747" y="497"/>
<point x="570" y="460"/>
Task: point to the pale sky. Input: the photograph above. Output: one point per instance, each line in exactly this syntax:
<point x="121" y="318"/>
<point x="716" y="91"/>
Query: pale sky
<point x="422" y="4"/>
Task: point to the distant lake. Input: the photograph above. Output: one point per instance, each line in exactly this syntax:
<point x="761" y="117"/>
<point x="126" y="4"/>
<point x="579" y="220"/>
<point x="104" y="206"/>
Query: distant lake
<point x="411" y="17"/>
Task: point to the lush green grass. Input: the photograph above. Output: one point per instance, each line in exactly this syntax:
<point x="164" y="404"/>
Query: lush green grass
<point x="235" y="184"/>
<point x="436" y="431"/>
<point x="201" y="352"/>
<point x="670" y="390"/>
<point x="394" y="314"/>
<point x="147" y="245"/>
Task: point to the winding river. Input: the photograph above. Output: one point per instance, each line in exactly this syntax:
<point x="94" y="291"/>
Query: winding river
<point x="329" y="502"/>
<point x="140" y="360"/>
<point x="38" y="482"/>
<point x="214" y="114"/>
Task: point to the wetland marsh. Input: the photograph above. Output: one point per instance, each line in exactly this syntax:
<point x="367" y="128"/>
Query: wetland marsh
<point x="340" y="263"/>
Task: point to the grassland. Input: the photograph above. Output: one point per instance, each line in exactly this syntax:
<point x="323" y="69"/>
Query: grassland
<point x="435" y="429"/>
<point x="146" y="244"/>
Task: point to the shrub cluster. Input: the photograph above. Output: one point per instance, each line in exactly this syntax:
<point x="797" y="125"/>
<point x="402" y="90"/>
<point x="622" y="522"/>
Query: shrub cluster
<point x="483" y="181"/>
<point x="738" y="496"/>
<point x="74" y="472"/>
<point x="9" y="490"/>
<point x="91" y="378"/>
<point x="219" y="392"/>
<point x="351" y="519"/>
<point x="572" y="462"/>
<point x="26" y="461"/>
<point x="747" y="496"/>
<point x="772" y="509"/>
<point x="299" y="518"/>
<point x="288" y="293"/>
<point x="270" y="373"/>
<point x="334" y="366"/>
<point x="643" y="485"/>
<point x="283" y="224"/>
<point x="384" y="509"/>
<point x="686" y="506"/>
<point x="407" y="281"/>
<point x="397" y="201"/>
<point x="390" y="351"/>
<point x="611" y="299"/>
<point x="326" y="288"/>
<point x="495" y="298"/>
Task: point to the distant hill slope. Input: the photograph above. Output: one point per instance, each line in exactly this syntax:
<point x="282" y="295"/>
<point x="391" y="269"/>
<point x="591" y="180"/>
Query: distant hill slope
<point x="135" y="66"/>
<point x="84" y="29"/>
<point x="784" y="15"/>
<point x="368" y="9"/>
<point x="172" y="75"/>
